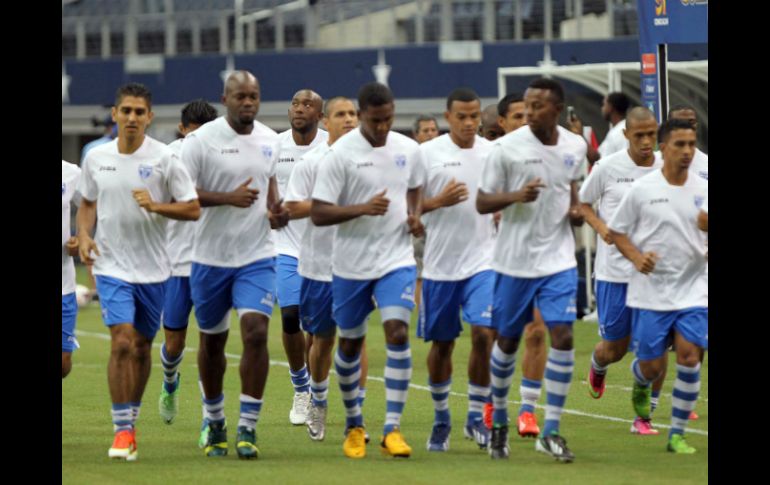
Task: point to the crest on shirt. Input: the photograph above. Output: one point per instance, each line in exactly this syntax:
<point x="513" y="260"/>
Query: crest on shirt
<point x="63" y="188"/>
<point x="145" y="171"/>
<point x="569" y="160"/>
<point x="267" y="151"/>
<point x="401" y="160"/>
<point x="699" y="201"/>
<point x="704" y="175"/>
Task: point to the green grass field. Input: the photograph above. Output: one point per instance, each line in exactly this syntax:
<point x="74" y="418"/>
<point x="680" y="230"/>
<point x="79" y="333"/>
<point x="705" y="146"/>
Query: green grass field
<point x="597" y="431"/>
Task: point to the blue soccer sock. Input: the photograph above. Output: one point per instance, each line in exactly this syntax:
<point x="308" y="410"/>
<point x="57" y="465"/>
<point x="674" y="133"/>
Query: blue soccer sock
<point x="686" y="389"/>
<point x="501" y="368"/>
<point x="349" y="372"/>
<point x="250" y="408"/>
<point x="136" y="406"/>
<point x="300" y="379"/>
<point x="170" y="367"/>
<point x="215" y="408"/>
<point x="440" y="393"/>
<point x="121" y="417"/>
<point x="398" y="373"/>
<point x="558" y="376"/>
<point x="477" y="397"/>
<point x="530" y="393"/>
<point x="319" y="392"/>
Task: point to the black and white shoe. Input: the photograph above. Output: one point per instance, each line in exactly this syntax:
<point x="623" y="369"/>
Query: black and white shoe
<point x="556" y="446"/>
<point x="498" y="444"/>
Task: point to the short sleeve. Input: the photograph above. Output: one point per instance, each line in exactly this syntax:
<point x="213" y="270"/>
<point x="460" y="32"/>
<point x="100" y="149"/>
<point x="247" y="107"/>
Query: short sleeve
<point x="624" y="219"/>
<point x="300" y="186"/>
<point x="418" y="175"/>
<point x="191" y="155"/>
<point x="493" y="173"/>
<point x="592" y="188"/>
<point x="87" y="185"/>
<point x="330" y="179"/>
<point x="178" y="180"/>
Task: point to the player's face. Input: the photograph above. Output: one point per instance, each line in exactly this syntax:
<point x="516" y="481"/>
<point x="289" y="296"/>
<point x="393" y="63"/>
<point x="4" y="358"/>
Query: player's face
<point x="542" y="113"/>
<point x="687" y="115"/>
<point x="464" y="118"/>
<point x="242" y="101"/>
<point x="376" y="122"/>
<point x="514" y="118"/>
<point x="305" y="111"/>
<point x="679" y="149"/>
<point x="428" y="131"/>
<point x="641" y="137"/>
<point x="133" y="116"/>
<point x="342" y="118"/>
<point x="491" y="131"/>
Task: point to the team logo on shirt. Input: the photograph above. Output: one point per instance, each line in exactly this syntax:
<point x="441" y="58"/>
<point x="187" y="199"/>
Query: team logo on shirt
<point x="145" y="171"/>
<point x="63" y="188"/>
<point x="699" y="201"/>
<point x="569" y="160"/>
<point x="401" y="161"/>
<point x="267" y="151"/>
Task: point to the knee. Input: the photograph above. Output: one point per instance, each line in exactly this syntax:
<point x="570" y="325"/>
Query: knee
<point x="561" y="337"/>
<point x="481" y="340"/>
<point x="121" y="345"/>
<point x="534" y="335"/>
<point x="141" y="350"/>
<point x="689" y="359"/>
<point x="397" y="332"/>
<point x="350" y="347"/>
<point x="255" y="334"/>
<point x="443" y="349"/>
<point x="290" y="319"/>
<point x="616" y="351"/>
<point x="66" y="364"/>
<point x="508" y="345"/>
<point x="174" y="343"/>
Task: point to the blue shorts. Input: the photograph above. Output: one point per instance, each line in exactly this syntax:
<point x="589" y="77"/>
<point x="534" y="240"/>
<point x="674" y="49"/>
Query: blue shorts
<point x="393" y="293"/>
<point x="315" y="307"/>
<point x="139" y="304"/>
<point x="69" y="313"/>
<point x="288" y="281"/>
<point x="215" y="290"/>
<point x="442" y="300"/>
<point x="614" y="315"/>
<point x="653" y="330"/>
<point x="178" y="303"/>
<point x="554" y="295"/>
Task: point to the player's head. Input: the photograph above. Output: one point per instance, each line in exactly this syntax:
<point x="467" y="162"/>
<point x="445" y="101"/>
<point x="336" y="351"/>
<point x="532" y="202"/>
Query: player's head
<point x="306" y="111"/>
<point x="339" y="116"/>
<point x="241" y="98"/>
<point x="463" y="113"/>
<point x="676" y="139"/>
<point x="132" y="111"/>
<point x="684" y="112"/>
<point x="510" y="111"/>
<point x="194" y="114"/>
<point x="544" y="102"/>
<point x="425" y="128"/>
<point x="641" y="131"/>
<point x="376" y="110"/>
<point x="615" y="104"/>
<point x="490" y="128"/>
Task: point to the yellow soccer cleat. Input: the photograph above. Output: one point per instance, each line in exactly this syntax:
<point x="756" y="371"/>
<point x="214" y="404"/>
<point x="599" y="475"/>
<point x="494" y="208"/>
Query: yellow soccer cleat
<point x="393" y="444"/>
<point x="355" y="443"/>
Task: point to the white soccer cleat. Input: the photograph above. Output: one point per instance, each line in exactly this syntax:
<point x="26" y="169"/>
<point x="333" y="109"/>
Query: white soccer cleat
<point x="299" y="409"/>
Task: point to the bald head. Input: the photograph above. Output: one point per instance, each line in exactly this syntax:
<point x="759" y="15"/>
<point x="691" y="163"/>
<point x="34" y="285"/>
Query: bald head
<point x="238" y="78"/>
<point x="241" y="98"/>
<point x="305" y="112"/>
<point x="490" y="128"/>
<point x="639" y="114"/>
<point x="311" y="95"/>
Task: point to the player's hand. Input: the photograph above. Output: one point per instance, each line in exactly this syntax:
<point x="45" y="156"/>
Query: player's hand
<point x="415" y="226"/>
<point x="243" y="196"/>
<point x="496" y="218"/>
<point x="576" y="216"/>
<point x="453" y="193"/>
<point x="377" y="205"/>
<point x="85" y="246"/>
<point x="530" y="191"/>
<point x="646" y="263"/>
<point x="144" y="199"/>
<point x="72" y="246"/>
<point x="278" y="216"/>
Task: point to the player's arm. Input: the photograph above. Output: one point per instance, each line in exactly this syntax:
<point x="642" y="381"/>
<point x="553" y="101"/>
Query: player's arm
<point x="703" y="220"/>
<point x="595" y="222"/>
<point x="453" y="193"/>
<point x="492" y="202"/>
<point x="644" y="262"/>
<point x="298" y="209"/>
<point x="242" y="196"/>
<point x="181" y="211"/>
<point x="278" y="215"/>
<point x="86" y="220"/>
<point x="327" y="214"/>
<point x="414" y="210"/>
<point x="575" y="214"/>
<point x="576" y="126"/>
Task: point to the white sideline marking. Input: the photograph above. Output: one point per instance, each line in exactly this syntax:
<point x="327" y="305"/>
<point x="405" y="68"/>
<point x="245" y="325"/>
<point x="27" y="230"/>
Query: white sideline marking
<point x="105" y="336"/>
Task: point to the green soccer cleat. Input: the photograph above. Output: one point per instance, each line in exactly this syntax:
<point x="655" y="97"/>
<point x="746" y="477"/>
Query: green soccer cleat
<point x="677" y="444"/>
<point x="168" y="404"/>
<point x="216" y="445"/>
<point x="246" y="443"/>
<point x="640" y="398"/>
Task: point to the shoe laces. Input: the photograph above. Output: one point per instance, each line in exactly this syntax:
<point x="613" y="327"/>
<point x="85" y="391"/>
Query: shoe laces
<point x="499" y="437"/>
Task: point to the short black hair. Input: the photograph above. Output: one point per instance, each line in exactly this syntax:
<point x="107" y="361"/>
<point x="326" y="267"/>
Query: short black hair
<point x="681" y="107"/>
<point x="198" y="112"/>
<point x="464" y="95"/>
<point x="331" y="101"/>
<point x="557" y="91"/>
<point x="502" y="106"/>
<point x="619" y="102"/>
<point x="664" y="132"/>
<point x="136" y="90"/>
<point x="420" y="119"/>
<point x="374" y="94"/>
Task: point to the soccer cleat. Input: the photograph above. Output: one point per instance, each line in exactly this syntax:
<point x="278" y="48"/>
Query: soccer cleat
<point x="246" y="443"/>
<point x="204" y="436"/>
<point x="677" y="444"/>
<point x="643" y="426"/>
<point x="168" y="403"/>
<point x="355" y="444"/>
<point x="488" y="410"/>
<point x="393" y="444"/>
<point x="439" y="437"/>
<point x="478" y="432"/>
<point x="498" y="443"/>
<point x="216" y="444"/>
<point x="528" y="427"/>
<point x="693" y="416"/>
<point x="595" y="383"/>
<point x="299" y="408"/>
<point x="640" y="398"/>
<point x="316" y="423"/>
<point x="124" y="446"/>
<point x="556" y="446"/>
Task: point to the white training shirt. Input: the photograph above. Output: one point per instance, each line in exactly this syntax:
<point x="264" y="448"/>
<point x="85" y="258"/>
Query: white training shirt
<point x="662" y="218"/>
<point x="700" y="164"/>
<point x="315" y="250"/>
<point x="615" y="140"/>
<point x="459" y="241"/>
<point x="368" y="247"/>
<point x="70" y="176"/>
<point x="220" y="160"/>
<point x="608" y="182"/>
<point x="534" y="238"/>
<point x="179" y="234"/>
<point x="132" y="241"/>
<point x="287" y="238"/>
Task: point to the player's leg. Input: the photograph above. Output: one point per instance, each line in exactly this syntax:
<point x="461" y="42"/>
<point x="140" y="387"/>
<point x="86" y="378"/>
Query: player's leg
<point x="615" y="330"/>
<point x="532" y="371"/>
<point x="651" y="337"/>
<point x="176" y="312"/>
<point x="69" y="312"/>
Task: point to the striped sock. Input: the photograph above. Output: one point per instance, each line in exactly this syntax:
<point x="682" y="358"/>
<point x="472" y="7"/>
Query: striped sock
<point x="686" y="389"/>
<point x="319" y="392"/>
<point x="135" y="407"/>
<point x="638" y="376"/>
<point x="598" y="369"/>
<point x="398" y="373"/>
<point x="349" y="372"/>
<point x="250" y="408"/>
<point x="170" y="366"/>
<point x="477" y="397"/>
<point x="215" y="408"/>
<point x="501" y="369"/>
<point x="654" y="400"/>
<point x="440" y="393"/>
<point x="361" y="396"/>
<point x="530" y="393"/>
<point x="121" y="417"/>
<point x="300" y="379"/>
<point x="558" y="375"/>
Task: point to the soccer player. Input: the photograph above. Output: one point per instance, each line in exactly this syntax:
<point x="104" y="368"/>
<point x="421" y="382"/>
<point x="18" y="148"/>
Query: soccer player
<point x="614" y="109"/>
<point x="703" y="216"/>
<point x="70" y="176"/>
<point x="232" y="161"/>
<point x="305" y="113"/>
<point x="178" y="302"/>
<point x="490" y="128"/>
<point x="700" y="161"/>
<point x="531" y="175"/>
<point x="654" y="229"/>
<point x="458" y="274"/>
<point x="129" y="183"/>
<point x="609" y="180"/>
<point x="425" y="128"/>
<point x="510" y="113"/>
<point x="370" y="184"/>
